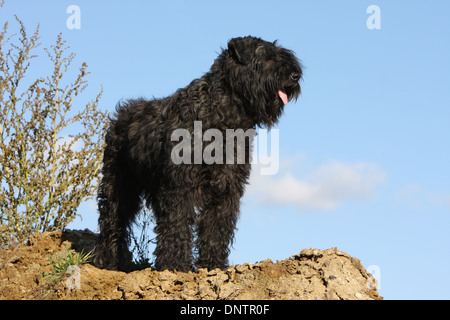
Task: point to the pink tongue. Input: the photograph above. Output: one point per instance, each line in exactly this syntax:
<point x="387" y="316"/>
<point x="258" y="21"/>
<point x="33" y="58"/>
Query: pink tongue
<point x="283" y="96"/>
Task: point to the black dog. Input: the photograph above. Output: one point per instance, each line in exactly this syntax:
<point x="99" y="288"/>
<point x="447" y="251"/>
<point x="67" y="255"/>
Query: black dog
<point x="248" y="86"/>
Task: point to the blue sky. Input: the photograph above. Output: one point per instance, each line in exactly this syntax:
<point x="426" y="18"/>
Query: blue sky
<point x="364" y="152"/>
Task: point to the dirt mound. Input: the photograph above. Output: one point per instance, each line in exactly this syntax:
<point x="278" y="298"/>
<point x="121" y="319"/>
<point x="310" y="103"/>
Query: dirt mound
<point x="311" y="274"/>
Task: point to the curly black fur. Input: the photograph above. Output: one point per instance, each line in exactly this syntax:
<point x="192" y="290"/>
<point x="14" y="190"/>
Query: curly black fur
<point x="241" y="91"/>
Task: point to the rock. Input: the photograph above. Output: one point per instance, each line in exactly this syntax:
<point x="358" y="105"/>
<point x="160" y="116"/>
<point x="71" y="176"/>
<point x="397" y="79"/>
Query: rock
<point x="312" y="274"/>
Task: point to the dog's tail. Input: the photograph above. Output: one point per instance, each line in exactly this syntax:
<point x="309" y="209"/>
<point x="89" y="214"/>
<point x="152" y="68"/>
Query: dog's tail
<point x="118" y="202"/>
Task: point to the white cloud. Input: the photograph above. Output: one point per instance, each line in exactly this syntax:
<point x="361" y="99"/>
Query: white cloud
<point x="414" y="196"/>
<point x="326" y="187"/>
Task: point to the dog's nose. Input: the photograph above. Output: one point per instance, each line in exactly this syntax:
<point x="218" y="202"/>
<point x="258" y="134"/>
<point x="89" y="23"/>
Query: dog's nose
<point x="295" y="76"/>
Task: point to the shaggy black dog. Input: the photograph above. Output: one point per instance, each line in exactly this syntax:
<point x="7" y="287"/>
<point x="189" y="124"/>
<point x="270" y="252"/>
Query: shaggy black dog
<point x="247" y="86"/>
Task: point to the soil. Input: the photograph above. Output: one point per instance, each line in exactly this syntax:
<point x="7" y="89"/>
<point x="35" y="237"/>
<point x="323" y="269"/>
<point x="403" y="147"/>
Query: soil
<point x="311" y="274"/>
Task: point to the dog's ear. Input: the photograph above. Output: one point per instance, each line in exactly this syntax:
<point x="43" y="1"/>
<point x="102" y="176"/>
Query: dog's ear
<point x="241" y="50"/>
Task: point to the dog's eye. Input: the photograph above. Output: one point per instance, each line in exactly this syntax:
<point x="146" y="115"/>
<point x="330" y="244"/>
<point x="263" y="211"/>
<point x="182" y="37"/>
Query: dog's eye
<point x="295" y="76"/>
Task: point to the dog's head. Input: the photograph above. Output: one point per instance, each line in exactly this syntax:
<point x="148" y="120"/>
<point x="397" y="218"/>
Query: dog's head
<point x="263" y="75"/>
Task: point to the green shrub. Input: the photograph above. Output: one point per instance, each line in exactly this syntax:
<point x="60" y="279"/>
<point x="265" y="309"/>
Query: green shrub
<point x="47" y="167"/>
